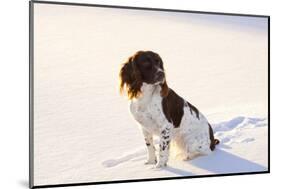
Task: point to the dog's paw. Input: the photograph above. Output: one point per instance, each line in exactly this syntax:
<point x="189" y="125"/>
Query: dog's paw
<point x="160" y="165"/>
<point x="150" y="161"/>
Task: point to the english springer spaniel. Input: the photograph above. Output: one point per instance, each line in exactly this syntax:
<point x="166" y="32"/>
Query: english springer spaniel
<point x="161" y="112"/>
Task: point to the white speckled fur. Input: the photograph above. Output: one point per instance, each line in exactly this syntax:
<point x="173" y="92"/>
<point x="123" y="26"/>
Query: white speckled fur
<point x="191" y="137"/>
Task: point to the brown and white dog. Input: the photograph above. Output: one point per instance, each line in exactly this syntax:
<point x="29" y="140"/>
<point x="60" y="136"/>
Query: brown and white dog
<point x="161" y="112"/>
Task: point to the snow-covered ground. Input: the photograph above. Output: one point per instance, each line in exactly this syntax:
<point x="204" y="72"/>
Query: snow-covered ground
<point x="241" y="150"/>
<point x="83" y="131"/>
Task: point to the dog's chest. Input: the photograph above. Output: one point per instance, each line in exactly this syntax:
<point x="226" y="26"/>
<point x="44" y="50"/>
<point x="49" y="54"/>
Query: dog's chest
<point x="149" y="113"/>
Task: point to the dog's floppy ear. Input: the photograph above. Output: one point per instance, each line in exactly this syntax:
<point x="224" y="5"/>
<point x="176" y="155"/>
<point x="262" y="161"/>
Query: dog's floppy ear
<point x="130" y="79"/>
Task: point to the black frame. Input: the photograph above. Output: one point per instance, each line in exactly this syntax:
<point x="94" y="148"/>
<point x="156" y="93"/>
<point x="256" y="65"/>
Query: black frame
<point x="31" y="93"/>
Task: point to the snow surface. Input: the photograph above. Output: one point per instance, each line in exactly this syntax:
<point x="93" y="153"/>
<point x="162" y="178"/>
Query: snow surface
<point x="235" y="135"/>
<point x="83" y="131"/>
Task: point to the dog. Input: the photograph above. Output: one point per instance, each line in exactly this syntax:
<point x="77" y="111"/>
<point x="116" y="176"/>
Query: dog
<point x="162" y="112"/>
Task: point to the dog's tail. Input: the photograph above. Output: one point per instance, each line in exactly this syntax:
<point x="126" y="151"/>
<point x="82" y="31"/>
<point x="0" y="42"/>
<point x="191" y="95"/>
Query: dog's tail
<point x="214" y="141"/>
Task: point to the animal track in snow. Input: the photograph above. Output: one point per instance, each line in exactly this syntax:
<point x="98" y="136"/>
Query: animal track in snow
<point x="231" y="131"/>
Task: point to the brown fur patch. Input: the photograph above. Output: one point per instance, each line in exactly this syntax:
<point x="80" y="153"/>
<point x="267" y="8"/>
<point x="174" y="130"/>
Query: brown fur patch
<point x="173" y="105"/>
<point x="164" y="89"/>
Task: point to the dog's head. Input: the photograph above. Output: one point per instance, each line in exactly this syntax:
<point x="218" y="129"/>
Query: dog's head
<point x="142" y="67"/>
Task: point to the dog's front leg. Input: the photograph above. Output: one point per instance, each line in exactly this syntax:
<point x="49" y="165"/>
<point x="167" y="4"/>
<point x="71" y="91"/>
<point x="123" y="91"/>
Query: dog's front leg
<point x="151" y="159"/>
<point x="164" y="146"/>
